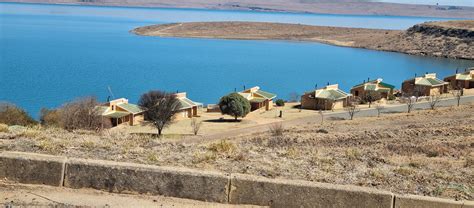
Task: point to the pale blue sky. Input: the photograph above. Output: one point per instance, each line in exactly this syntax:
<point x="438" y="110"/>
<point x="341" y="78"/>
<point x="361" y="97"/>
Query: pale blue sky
<point x="433" y="2"/>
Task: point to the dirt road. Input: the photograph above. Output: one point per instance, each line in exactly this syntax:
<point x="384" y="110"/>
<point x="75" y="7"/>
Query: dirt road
<point x="23" y="195"/>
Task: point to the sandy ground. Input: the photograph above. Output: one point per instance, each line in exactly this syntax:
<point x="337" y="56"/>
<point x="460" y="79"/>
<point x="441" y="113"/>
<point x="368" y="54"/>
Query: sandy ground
<point x="451" y="39"/>
<point x="23" y="195"/>
<point x="357" y="7"/>
<point x="426" y="152"/>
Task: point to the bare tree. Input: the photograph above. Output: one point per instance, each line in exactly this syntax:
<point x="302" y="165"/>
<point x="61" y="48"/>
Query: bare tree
<point x="294" y="97"/>
<point x="196" y="125"/>
<point x="322" y="116"/>
<point x="81" y="114"/>
<point x="379" y="107"/>
<point x="161" y="107"/>
<point x="457" y="93"/>
<point x="434" y="100"/>
<point x="410" y="102"/>
<point x="352" y="109"/>
<point x="371" y="96"/>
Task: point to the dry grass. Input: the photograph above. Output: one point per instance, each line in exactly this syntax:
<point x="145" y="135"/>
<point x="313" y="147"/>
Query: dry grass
<point x="424" y="152"/>
<point x="4" y="128"/>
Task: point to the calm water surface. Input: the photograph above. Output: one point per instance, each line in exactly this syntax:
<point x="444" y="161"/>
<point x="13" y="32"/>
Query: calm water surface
<point x="50" y="54"/>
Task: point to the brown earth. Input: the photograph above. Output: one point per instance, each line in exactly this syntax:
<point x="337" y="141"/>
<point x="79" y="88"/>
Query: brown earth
<point x="355" y="7"/>
<point x="426" y="152"/>
<point x="452" y="39"/>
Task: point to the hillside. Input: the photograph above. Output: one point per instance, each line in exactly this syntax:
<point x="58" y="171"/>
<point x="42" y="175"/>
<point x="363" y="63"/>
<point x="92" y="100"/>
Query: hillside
<point x="427" y="152"/>
<point x="353" y="7"/>
<point x="452" y="39"/>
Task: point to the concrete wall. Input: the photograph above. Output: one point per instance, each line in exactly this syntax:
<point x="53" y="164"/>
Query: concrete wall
<point x="202" y="185"/>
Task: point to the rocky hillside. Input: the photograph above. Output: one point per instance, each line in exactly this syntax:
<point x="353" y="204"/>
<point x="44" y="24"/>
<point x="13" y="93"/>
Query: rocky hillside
<point x="453" y="39"/>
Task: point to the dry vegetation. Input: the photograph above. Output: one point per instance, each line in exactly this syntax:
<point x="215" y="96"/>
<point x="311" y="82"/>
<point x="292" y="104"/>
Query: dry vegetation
<point x="453" y="39"/>
<point x="425" y="152"/>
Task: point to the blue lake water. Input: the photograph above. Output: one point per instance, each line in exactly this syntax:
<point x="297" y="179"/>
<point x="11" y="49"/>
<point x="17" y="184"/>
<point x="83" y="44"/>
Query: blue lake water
<point x="50" y="54"/>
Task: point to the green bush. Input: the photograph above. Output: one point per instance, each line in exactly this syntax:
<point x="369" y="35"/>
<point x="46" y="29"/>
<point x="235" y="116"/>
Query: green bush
<point x="280" y="102"/>
<point x="234" y="105"/>
<point x="391" y="97"/>
<point x="13" y="115"/>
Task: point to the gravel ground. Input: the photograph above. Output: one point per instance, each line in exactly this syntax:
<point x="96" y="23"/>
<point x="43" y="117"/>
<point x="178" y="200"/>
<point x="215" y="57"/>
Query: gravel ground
<point x="425" y="153"/>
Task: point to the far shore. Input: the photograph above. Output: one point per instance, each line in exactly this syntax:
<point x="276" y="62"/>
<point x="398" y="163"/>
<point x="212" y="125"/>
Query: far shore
<point x="421" y="39"/>
<point x="342" y="7"/>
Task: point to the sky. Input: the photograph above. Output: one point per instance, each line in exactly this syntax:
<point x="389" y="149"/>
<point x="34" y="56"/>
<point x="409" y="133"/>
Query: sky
<point x="433" y="2"/>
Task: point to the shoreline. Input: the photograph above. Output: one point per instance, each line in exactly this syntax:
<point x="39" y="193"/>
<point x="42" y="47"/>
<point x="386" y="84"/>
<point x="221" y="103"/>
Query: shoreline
<point x="422" y="39"/>
<point x="356" y="9"/>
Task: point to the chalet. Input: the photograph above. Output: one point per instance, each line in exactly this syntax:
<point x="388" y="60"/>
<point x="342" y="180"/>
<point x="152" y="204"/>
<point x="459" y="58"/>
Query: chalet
<point x="188" y="107"/>
<point x="327" y="98"/>
<point x="424" y="86"/>
<point x="463" y="80"/>
<point x="119" y="111"/>
<point x="258" y="98"/>
<point x="374" y="87"/>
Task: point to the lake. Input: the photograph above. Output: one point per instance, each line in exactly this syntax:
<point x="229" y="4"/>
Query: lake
<point x="50" y="54"/>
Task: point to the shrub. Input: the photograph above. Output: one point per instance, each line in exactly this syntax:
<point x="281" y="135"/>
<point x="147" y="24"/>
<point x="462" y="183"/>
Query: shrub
<point x="234" y="105"/>
<point x="276" y="129"/>
<point x="223" y="146"/>
<point x="391" y="97"/>
<point x="82" y="114"/>
<point x="13" y="115"/>
<point x="280" y="102"/>
<point x="50" y="117"/>
<point x="4" y="128"/>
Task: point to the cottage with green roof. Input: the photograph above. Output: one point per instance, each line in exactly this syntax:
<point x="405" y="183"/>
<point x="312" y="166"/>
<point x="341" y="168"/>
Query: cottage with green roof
<point x="373" y="87"/>
<point x="327" y="98"/>
<point x="424" y="86"/>
<point x="463" y="80"/>
<point x="258" y="98"/>
<point x="188" y="107"/>
<point x="119" y="111"/>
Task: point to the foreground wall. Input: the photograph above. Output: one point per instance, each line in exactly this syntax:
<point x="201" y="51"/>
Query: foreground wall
<point x="201" y="185"/>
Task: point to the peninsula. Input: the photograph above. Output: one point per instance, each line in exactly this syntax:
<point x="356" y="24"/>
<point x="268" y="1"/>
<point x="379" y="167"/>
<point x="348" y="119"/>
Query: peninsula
<point x="451" y="39"/>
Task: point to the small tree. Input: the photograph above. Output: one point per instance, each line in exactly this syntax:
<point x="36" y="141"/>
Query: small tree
<point x="370" y="97"/>
<point x="294" y="97"/>
<point x="81" y="114"/>
<point x="352" y="109"/>
<point x="410" y="102"/>
<point x="457" y="93"/>
<point x="379" y="107"/>
<point x="322" y="116"/>
<point x="196" y="125"/>
<point x="13" y="115"/>
<point x="50" y="117"/>
<point x="434" y="100"/>
<point x="234" y="105"/>
<point x="161" y="107"/>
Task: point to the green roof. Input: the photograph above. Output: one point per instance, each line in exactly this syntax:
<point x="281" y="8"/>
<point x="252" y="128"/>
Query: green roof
<point x="332" y="94"/>
<point x="266" y="95"/>
<point x="429" y="81"/>
<point x="186" y="103"/>
<point x="387" y="85"/>
<point x="117" y="114"/>
<point x="132" y="108"/>
<point x="371" y="85"/>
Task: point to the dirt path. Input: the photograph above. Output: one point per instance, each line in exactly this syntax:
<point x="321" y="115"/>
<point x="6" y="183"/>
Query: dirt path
<point x="23" y="195"/>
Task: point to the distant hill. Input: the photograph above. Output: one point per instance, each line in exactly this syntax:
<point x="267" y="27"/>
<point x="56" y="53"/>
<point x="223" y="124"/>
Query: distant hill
<point x="452" y="39"/>
<point x="356" y="7"/>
